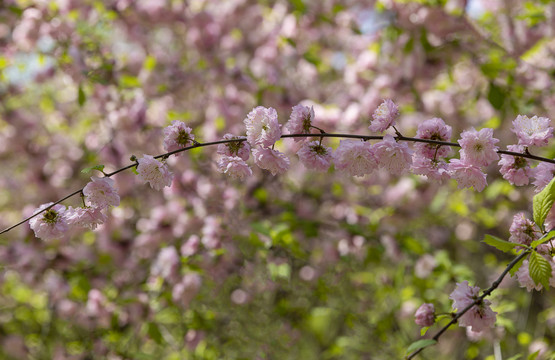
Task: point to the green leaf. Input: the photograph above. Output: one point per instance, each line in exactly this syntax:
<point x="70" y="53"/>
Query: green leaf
<point x="154" y="332"/>
<point x="498" y="243"/>
<point x="496" y="96"/>
<point x="545" y="238"/>
<point x="81" y="96"/>
<point x="533" y="356"/>
<point x="540" y="269"/>
<point x="424" y="330"/>
<point x="516" y="357"/>
<point x="96" y="167"/>
<point x="420" y="344"/>
<point x="517" y="266"/>
<point x="543" y="201"/>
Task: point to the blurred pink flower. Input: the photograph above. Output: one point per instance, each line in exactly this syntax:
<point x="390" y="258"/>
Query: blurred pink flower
<point x="478" y="147"/>
<point x="234" y="166"/>
<point x="177" y="136"/>
<point x="524" y="279"/>
<point x="315" y="156"/>
<point x="384" y="116"/>
<point x="396" y="157"/>
<point x="300" y="120"/>
<point x="480" y="316"/>
<point x="523" y="231"/>
<point x="155" y="172"/>
<point x="101" y="193"/>
<point x="543" y="174"/>
<point x="87" y="217"/>
<point x="433" y="129"/>
<point x="355" y="157"/>
<point x="515" y="169"/>
<point x="272" y="160"/>
<point x="467" y="175"/>
<point x="532" y="131"/>
<point x="51" y="224"/>
<point x="263" y="127"/>
<point x="433" y="169"/>
<point x="238" y="148"/>
<point x="425" y="315"/>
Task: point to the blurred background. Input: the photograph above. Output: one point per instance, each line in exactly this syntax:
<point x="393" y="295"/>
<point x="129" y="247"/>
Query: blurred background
<point x="300" y="266"/>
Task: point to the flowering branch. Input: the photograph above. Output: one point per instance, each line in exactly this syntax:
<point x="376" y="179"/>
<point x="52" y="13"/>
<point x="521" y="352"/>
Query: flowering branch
<point x="487" y="292"/>
<point x="526" y="154"/>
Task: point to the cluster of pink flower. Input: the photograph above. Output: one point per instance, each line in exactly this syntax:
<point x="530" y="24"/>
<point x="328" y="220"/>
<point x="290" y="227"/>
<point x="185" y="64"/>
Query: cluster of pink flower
<point x="353" y="157"/>
<point x="480" y="316"/>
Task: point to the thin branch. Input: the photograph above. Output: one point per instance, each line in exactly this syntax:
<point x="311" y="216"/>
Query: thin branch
<point x="485" y="293"/>
<point x="347" y="136"/>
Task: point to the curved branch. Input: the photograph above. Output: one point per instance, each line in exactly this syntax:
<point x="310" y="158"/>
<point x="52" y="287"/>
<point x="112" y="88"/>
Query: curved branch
<point x="485" y="293"/>
<point x="347" y="136"/>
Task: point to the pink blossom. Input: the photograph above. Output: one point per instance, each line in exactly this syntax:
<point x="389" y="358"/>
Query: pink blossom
<point x="524" y="279"/>
<point x="480" y="316"/>
<point x="166" y="264"/>
<point x="186" y="289"/>
<point x="515" y="169"/>
<point x="478" y="147"/>
<point x="433" y="129"/>
<point x="549" y="222"/>
<point x="467" y="175"/>
<point x="177" y="136"/>
<point x="51" y="224"/>
<point x="315" y="156"/>
<point x="355" y="157"/>
<point x="87" y="217"/>
<point x="394" y="156"/>
<point x="543" y="174"/>
<point x="523" y="231"/>
<point x="236" y="148"/>
<point x="262" y="126"/>
<point x="191" y="246"/>
<point x="156" y="173"/>
<point x="101" y="193"/>
<point x="234" y="166"/>
<point x="271" y="160"/>
<point x="432" y="169"/>
<point x="425" y="315"/>
<point x="300" y="120"/>
<point x="384" y="116"/>
<point x="532" y="131"/>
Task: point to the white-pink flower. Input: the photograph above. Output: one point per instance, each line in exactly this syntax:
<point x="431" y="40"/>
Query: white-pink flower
<point x="515" y="169"/>
<point x="433" y="129"/>
<point x="51" y="224"/>
<point x="177" y="136"/>
<point x="480" y="316"/>
<point x="467" y="175"/>
<point x="532" y="131"/>
<point x="394" y="156"/>
<point x="523" y="231"/>
<point x="478" y="147"/>
<point x="384" y="116"/>
<point x="166" y="264"/>
<point x="425" y="315"/>
<point x="101" y="193"/>
<point x="432" y="169"/>
<point x="88" y="217"/>
<point x="155" y="172"/>
<point x="300" y="120"/>
<point x="262" y="126"/>
<point x="234" y="166"/>
<point x="543" y="174"/>
<point x="184" y="291"/>
<point x="355" y="158"/>
<point x="315" y="156"/>
<point x="235" y="148"/>
<point x="272" y="160"/>
<point x="524" y="279"/>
